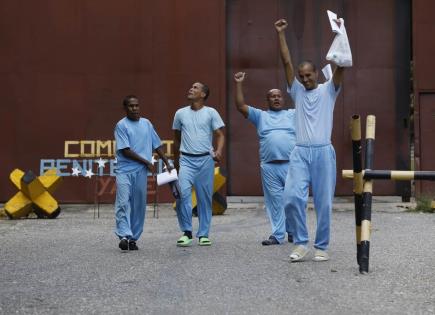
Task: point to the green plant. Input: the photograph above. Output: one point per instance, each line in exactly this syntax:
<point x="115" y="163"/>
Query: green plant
<point x="424" y="204"/>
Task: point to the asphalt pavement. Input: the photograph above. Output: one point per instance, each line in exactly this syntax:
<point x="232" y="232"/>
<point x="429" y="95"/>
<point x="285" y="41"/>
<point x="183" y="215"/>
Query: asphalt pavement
<point x="72" y="265"/>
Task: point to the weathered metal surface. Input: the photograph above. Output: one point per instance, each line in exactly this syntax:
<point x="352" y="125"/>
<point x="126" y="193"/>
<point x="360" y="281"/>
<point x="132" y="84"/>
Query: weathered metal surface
<point x="427" y="144"/>
<point x="377" y="84"/>
<point x="423" y="28"/>
<point x="66" y="65"/>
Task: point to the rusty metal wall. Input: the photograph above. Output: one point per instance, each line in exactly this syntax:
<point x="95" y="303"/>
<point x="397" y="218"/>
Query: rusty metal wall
<point x="379" y="35"/>
<point x="424" y="89"/>
<point x="66" y="65"/>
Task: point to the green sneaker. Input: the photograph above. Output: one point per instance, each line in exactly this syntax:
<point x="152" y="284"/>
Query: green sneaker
<point x="204" y="241"/>
<point x="184" y="241"/>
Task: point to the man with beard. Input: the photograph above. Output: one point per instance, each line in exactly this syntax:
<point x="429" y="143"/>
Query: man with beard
<point x="276" y="133"/>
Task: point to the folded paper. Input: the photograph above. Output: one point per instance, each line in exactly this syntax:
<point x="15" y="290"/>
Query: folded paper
<point x="165" y="177"/>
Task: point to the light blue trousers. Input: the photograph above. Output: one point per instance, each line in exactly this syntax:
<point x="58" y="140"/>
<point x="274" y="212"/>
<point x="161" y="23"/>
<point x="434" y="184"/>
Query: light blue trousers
<point x="130" y="204"/>
<point x="199" y="173"/>
<point x="315" y="166"/>
<point x="273" y="177"/>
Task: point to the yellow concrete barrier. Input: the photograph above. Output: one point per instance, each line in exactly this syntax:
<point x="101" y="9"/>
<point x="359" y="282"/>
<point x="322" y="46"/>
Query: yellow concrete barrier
<point x="34" y="194"/>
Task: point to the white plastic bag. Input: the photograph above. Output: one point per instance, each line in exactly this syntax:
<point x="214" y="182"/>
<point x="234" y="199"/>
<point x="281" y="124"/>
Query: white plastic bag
<point x="339" y="52"/>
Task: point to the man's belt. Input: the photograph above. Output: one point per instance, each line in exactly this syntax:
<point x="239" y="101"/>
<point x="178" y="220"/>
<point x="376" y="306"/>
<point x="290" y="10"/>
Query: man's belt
<point x="195" y="155"/>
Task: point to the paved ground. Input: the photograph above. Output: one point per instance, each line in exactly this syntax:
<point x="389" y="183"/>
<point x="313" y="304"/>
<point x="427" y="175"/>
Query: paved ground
<point x="71" y="265"/>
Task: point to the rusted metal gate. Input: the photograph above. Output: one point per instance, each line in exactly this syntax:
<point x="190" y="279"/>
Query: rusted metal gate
<point x="424" y="90"/>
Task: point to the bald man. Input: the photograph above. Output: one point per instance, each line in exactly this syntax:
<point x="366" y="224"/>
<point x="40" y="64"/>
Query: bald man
<point x="276" y="134"/>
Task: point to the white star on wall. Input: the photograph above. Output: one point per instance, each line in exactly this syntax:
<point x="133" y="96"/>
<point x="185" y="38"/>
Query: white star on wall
<point x="75" y="171"/>
<point x="89" y="173"/>
<point x="101" y="162"/>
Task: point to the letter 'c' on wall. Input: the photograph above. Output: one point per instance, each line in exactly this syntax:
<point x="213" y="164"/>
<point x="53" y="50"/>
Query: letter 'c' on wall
<point x="67" y="149"/>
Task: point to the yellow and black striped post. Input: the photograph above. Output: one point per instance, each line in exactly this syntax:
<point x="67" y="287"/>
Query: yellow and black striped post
<point x="391" y="175"/>
<point x="399" y="175"/>
<point x="357" y="179"/>
<point x="363" y="182"/>
<point x="367" y="196"/>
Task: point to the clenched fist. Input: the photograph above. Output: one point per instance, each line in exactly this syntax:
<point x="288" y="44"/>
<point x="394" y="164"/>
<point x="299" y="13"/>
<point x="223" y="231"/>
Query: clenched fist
<point x="239" y="76"/>
<point x="281" y="25"/>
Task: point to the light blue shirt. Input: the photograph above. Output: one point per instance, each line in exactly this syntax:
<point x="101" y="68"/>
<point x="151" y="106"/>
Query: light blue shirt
<point x="276" y="133"/>
<point x="314" y="112"/>
<point x="197" y="128"/>
<point x="140" y="137"/>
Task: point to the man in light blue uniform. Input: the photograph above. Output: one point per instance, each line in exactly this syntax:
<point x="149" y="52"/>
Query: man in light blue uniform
<point x="194" y="127"/>
<point x="276" y="133"/>
<point x="135" y="140"/>
<point x="313" y="159"/>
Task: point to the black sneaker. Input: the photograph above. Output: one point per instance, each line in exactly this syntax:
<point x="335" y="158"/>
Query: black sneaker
<point x="123" y="244"/>
<point x="132" y="245"/>
<point x="271" y="241"/>
<point x="290" y="238"/>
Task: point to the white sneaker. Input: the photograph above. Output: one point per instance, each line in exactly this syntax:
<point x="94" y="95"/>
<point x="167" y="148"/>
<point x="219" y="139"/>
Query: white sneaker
<point x="320" y="255"/>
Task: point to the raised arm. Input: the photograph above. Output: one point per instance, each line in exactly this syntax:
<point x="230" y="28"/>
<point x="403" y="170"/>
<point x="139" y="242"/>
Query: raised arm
<point x="239" y="77"/>
<point x="220" y="142"/>
<point x="337" y="77"/>
<point x="280" y="27"/>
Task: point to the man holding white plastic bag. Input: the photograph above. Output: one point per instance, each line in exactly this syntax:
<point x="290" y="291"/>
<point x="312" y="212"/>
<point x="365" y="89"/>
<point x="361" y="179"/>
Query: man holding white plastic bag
<point x="312" y="161"/>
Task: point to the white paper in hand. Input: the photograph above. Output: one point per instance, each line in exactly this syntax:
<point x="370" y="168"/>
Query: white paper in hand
<point x="165" y="177"/>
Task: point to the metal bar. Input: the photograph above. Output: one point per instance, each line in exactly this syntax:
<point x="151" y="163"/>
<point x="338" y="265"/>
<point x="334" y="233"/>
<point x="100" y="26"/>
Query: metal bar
<point x="357" y="179"/>
<point x="392" y="175"/>
<point x="400" y="175"/>
<point x="367" y="196"/>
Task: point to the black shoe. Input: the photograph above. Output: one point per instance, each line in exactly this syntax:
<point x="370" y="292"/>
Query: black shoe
<point x="290" y="238"/>
<point x="132" y="245"/>
<point x="271" y="241"/>
<point x="123" y="244"/>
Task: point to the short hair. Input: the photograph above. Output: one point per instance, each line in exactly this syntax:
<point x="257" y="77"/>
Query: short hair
<point x="206" y="90"/>
<point x="308" y="62"/>
<point x="127" y="99"/>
